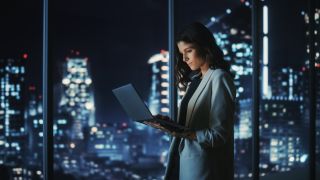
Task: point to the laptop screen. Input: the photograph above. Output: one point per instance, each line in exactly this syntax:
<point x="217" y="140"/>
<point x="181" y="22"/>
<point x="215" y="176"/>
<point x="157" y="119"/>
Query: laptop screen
<point x="132" y="103"/>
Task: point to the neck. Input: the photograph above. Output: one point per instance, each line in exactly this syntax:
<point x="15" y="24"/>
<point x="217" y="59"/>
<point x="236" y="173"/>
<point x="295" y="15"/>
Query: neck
<point x="204" y="68"/>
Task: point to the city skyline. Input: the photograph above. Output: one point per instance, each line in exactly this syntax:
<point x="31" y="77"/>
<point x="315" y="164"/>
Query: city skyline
<point x="94" y="36"/>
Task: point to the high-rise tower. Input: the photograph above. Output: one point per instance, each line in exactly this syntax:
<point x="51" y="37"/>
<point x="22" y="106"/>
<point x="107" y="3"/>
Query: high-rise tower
<point x="77" y="97"/>
<point x="12" y="125"/>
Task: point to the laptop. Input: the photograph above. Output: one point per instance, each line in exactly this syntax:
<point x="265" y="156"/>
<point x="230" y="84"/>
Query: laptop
<point x="137" y="110"/>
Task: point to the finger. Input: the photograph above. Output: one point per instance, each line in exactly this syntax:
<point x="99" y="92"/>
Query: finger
<point x="157" y="126"/>
<point x="166" y="118"/>
<point x="180" y="135"/>
<point x="164" y="129"/>
<point x="159" y="116"/>
<point x="153" y="125"/>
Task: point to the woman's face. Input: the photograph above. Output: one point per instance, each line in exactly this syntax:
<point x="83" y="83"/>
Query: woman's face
<point x="190" y="55"/>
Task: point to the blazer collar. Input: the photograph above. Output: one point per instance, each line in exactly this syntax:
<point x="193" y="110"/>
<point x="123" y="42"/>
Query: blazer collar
<point x="196" y="94"/>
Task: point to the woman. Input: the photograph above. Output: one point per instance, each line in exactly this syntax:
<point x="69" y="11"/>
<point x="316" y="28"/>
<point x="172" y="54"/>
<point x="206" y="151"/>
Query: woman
<point x="207" y="108"/>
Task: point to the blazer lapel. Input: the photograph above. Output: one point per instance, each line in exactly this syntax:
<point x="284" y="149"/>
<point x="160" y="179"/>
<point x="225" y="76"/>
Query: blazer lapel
<point x="178" y="116"/>
<point x="195" y="96"/>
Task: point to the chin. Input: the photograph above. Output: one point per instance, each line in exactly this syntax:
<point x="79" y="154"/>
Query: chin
<point x="194" y="68"/>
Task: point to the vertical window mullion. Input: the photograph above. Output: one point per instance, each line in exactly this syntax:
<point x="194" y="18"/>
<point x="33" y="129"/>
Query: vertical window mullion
<point x="47" y="91"/>
<point x="256" y="26"/>
<point x="172" y="84"/>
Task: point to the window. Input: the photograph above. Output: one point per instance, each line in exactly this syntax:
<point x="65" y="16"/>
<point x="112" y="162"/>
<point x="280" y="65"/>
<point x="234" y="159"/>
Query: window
<point x="284" y="76"/>
<point x="99" y="46"/>
<point x="20" y="91"/>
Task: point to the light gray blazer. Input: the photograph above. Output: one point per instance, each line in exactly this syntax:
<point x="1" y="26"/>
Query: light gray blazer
<point x="210" y="113"/>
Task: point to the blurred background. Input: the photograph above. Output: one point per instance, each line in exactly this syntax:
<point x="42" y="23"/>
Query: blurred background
<point x="97" y="46"/>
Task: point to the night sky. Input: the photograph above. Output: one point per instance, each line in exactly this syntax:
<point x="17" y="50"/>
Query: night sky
<point x="119" y="37"/>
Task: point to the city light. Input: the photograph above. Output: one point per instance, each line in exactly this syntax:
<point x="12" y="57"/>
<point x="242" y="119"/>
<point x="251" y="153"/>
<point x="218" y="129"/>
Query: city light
<point x="25" y="56"/>
<point x="265" y="20"/>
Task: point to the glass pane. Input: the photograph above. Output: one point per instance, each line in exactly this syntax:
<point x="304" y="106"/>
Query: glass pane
<point x="284" y="103"/>
<point x="230" y="23"/>
<point x="99" y="46"/>
<point x="20" y="90"/>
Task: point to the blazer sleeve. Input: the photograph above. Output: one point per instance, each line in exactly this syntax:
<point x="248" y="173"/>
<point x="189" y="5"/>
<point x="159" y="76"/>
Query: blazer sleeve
<point x="221" y="113"/>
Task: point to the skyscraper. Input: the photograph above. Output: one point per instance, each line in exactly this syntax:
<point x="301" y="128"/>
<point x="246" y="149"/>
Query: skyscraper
<point x="12" y="125"/>
<point x="77" y="97"/>
<point x="34" y="128"/>
<point x="75" y="115"/>
<point x="158" y="101"/>
<point x="159" y="94"/>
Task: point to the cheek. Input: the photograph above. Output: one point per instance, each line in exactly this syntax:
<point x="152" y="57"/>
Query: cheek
<point x="197" y="61"/>
<point x="194" y="57"/>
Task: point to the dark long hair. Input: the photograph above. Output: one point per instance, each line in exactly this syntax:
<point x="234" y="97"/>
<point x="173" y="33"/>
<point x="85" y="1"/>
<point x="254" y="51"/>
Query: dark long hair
<point x="206" y="47"/>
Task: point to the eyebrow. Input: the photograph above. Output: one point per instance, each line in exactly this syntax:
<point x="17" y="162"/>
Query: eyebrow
<point x="191" y="46"/>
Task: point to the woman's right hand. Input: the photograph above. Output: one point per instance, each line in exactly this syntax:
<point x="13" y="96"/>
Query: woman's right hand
<point x="157" y="125"/>
<point x="159" y="116"/>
